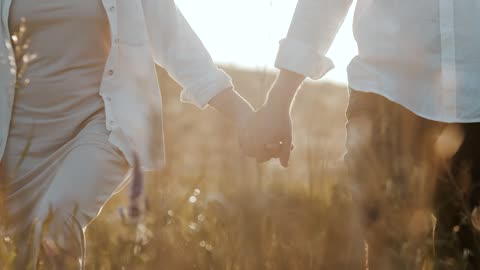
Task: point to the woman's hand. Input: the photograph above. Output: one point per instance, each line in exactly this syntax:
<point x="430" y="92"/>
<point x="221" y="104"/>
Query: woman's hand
<point x="233" y="106"/>
<point x="268" y="134"/>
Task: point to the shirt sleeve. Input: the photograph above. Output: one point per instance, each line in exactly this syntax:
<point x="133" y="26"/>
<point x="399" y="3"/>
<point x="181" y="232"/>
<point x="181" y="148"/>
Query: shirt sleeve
<point x="313" y="28"/>
<point x="178" y="49"/>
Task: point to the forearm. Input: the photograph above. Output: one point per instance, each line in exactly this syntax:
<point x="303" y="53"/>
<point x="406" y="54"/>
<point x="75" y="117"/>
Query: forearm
<point x="232" y="105"/>
<point x="285" y="88"/>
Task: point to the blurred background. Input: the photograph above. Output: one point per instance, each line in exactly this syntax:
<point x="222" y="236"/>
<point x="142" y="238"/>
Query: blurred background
<point x="212" y="208"/>
<point x="246" y="33"/>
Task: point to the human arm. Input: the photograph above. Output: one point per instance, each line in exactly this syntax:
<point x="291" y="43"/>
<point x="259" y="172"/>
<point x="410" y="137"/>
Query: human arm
<point x="178" y="49"/>
<point x="301" y="54"/>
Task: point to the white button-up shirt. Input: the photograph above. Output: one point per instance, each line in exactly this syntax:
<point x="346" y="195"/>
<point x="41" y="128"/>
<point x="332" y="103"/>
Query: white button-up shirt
<point x="424" y="55"/>
<point x="144" y="32"/>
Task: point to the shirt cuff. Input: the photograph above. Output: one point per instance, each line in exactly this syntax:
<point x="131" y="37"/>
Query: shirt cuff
<point x="300" y="58"/>
<point x="205" y="90"/>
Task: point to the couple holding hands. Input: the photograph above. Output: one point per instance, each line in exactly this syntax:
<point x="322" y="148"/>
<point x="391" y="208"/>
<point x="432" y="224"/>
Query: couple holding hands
<point x="83" y="103"/>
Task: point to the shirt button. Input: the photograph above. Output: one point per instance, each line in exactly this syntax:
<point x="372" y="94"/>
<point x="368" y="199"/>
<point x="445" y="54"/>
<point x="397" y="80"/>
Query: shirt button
<point x="112" y="8"/>
<point x="110" y="72"/>
<point x="117" y="40"/>
<point x="108" y="99"/>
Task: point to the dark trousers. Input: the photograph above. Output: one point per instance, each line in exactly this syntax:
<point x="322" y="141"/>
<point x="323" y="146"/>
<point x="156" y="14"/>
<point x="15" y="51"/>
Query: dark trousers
<point x="413" y="186"/>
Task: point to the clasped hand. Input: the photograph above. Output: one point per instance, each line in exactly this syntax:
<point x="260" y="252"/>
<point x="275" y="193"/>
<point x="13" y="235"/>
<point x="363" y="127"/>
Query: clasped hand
<point x="267" y="133"/>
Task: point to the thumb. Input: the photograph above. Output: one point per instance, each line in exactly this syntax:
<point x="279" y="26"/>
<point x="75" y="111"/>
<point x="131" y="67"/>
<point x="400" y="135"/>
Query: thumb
<point x="285" y="152"/>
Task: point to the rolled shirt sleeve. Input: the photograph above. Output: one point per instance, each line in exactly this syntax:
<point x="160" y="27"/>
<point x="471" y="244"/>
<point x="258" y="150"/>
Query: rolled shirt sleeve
<point x="207" y="88"/>
<point x="178" y="49"/>
<point x="313" y="28"/>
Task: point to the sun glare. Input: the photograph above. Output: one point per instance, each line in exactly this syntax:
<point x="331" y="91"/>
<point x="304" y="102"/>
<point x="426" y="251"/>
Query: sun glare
<point x="246" y="33"/>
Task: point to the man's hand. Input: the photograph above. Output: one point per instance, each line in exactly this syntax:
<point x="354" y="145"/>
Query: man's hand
<point x="268" y="134"/>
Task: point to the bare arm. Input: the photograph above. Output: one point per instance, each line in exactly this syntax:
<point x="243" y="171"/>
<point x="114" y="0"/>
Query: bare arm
<point x="301" y="54"/>
<point x="285" y="88"/>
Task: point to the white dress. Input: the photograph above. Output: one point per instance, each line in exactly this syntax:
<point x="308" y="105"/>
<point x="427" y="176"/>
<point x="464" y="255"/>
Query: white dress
<point x="69" y="168"/>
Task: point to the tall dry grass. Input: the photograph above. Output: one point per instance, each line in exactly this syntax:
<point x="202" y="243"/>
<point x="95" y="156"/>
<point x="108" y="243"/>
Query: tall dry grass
<point x="212" y="208"/>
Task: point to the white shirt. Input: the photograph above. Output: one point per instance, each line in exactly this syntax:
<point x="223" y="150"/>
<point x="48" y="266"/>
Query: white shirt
<point x="422" y="54"/>
<point x="144" y="32"/>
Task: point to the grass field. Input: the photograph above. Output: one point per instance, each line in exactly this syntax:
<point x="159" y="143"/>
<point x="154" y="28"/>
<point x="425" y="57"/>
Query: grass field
<point x="211" y="208"/>
<point x="244" y="216"/>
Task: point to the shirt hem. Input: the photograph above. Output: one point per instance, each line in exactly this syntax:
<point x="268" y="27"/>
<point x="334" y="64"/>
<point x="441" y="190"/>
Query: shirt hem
<point x="374" y="90"/>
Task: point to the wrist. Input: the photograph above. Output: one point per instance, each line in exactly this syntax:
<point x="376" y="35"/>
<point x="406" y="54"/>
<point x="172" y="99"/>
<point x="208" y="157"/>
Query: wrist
<point x="280" y="98"/>
<point x="284" y="89"/>
<point x="233" y="106"/>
